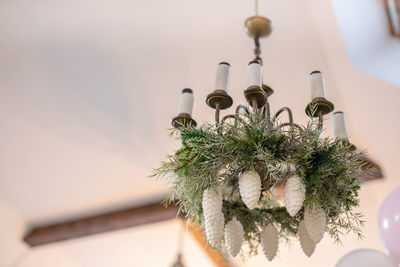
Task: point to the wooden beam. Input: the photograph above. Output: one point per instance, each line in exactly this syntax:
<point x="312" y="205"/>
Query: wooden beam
<point x="370" y="164"/>
<point x="392" y="8"/>
<point x="112" y="221"/>
<point x="198" y="234"/>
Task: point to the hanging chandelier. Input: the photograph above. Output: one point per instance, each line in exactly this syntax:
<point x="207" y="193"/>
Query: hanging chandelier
<point x="226" y="175"/>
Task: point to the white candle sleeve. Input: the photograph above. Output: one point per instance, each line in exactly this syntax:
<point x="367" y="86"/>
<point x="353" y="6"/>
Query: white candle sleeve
<point x="339" y="125"/>
<point x="254" y="74"/>
<point x="317" y="85"/>
<point x="222" y="78"/>
<point x="186" y="101"/>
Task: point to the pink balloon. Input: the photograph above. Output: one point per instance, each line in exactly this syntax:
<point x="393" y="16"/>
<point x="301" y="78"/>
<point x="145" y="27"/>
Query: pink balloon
<point x="389" y="224"/>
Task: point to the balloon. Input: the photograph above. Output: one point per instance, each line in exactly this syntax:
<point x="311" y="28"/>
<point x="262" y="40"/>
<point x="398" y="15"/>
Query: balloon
<point x="365" y="258"/>
<point x="389" y="224"/>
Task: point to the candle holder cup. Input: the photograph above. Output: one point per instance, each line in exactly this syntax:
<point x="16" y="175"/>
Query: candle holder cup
<point x="255" y="96"/>
<point x="183" y="120"/>
<point x="219" y="97"/>
<point x="319" y="106"/>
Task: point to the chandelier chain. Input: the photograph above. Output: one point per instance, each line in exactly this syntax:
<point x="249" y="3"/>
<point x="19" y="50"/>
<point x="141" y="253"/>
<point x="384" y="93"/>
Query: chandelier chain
<point x="257" y="50"/>
<point x="256" y="7"/>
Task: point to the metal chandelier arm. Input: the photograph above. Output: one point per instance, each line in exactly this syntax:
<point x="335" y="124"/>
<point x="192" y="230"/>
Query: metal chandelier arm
<point x="238" y="108"/>
<point x="237" y="114"/>
<point x="290" y="114"/>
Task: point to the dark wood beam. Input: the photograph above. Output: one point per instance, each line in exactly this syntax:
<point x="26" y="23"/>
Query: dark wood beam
<point x="151" y="213"/>
<point x="199" y="235"/>
<point x="392" y="8"/>
<point x="112" y="221"/>
<point x="377" y="172"/>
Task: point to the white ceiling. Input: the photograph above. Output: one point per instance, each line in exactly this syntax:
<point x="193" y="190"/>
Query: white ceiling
<point x="370" y="49"/>
<point x="88" y="89"/>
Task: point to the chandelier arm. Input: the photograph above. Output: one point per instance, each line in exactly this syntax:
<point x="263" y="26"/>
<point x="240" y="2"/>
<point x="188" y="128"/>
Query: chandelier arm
<point x="298" y="127"/>
<point x="238" y="108"/>
<point x="290" y="114"/>
<point x="227" y="117"/>
<point x="237" y="113"/>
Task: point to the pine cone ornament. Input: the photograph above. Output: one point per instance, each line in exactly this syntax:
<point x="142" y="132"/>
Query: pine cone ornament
<point x="250" y="188"/>
<point x="306" y="242"/>
<point x="215" y="229"/>
<point x="212" y="203"/>
<point x="234" y="235"/>
<point x="270" y="241"/>
<point x="295" y="192"/>
<point x="315" y="222"/>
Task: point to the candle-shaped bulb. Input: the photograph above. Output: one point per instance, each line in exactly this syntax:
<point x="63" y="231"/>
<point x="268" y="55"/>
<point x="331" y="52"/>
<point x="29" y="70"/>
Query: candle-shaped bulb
<point x="186" y="101"/>
<point x="339" y="125"/>
<point x="222" y="79"/>
<point x="317" y="85"/>
<point x="254" y="74"/>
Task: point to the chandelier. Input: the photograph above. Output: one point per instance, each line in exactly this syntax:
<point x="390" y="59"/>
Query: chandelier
<point x="226" y="175"/>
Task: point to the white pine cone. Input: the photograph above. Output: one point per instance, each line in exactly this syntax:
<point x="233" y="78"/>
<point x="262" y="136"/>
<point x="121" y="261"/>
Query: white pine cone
<point x="234" y="235"/>
<point x="306" y="242"/>
<point x="212" y="203"/>
<point x="295" y="192"/>
<point x="270" y="241"/>
<point x="250" y="188"/>
<point x="315" y="222"/>
<point x="214" y="230"/>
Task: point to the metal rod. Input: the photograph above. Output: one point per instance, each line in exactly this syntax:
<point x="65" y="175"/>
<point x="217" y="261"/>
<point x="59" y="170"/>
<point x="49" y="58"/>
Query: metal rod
<point x="320" y="120"/>
<point x="237" y="113"/>
<point x="295" y="125"/>
<point x="217" y="111"/>
<point x="290" y="114"/>
<point x="257" y="50"/>
<point x="227" y="117"/>
<point x="267" y="112"/>
<point x="238" y="108"/>
<point x="254" y="105"/>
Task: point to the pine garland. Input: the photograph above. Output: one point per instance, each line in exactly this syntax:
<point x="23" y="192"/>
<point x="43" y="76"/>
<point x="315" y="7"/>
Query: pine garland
<point x="215" y="155"/>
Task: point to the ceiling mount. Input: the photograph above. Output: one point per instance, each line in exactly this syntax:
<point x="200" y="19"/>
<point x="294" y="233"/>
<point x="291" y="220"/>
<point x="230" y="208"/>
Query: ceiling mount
<point x="258" y="26"/>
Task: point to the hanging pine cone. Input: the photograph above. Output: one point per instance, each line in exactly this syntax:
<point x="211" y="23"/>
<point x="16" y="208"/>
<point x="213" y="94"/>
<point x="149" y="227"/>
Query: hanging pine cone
<point x="215" y="230"/>
<point x="270" y="241"/>
<point x="212" y="203"/>
<point x="315" y="222"/>
<point x="234" y="235"/>
<point x="295" y="192"/>
<point x="250" y="188"/>
<point x="306" y="242"/>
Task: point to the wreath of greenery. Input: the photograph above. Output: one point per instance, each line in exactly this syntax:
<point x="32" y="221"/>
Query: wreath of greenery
<point x="216" y="154"/>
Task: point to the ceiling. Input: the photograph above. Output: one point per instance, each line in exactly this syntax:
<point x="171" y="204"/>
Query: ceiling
<point x="88" y="88"/>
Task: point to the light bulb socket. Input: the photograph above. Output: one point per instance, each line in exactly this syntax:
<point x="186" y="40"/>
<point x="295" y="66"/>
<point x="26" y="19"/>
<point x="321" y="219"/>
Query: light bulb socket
<point x="187" y="90"/>
<point x="254" y="62"/>
<point x="315" y="71"/>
